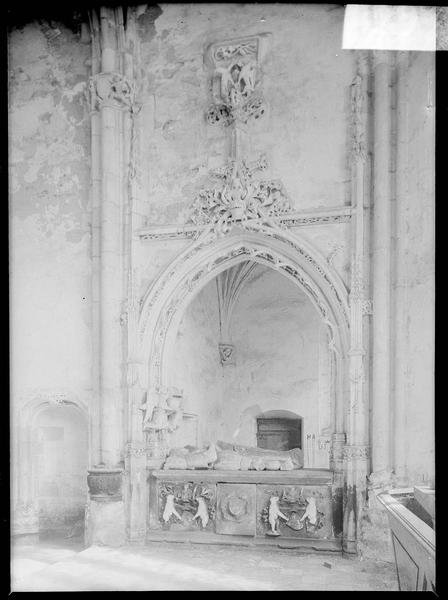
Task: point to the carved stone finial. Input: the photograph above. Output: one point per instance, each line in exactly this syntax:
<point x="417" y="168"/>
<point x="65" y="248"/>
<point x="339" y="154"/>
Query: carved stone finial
<point x="240" y="199"/>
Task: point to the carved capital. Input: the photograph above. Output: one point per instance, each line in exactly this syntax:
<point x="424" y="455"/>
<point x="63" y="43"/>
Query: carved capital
<point x="356" y="452"/>
<point x="112" y="90"/>
<point x="105" y="484"/>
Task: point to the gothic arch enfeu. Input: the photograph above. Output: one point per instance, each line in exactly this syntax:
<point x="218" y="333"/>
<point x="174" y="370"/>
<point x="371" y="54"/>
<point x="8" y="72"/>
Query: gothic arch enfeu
<point x="283" y="251"/>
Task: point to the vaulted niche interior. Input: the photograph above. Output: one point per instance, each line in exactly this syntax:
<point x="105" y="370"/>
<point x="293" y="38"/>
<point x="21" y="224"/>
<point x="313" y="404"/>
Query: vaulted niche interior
<point x="252" y="359"/>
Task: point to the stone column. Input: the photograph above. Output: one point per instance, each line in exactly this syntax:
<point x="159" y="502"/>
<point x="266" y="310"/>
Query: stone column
<point x="112" y="95"/>
<point x="381" y="246"/>
<point x="356" y="452"/>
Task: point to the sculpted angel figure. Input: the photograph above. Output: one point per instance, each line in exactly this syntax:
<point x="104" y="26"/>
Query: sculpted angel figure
<point x="237" y="82"/>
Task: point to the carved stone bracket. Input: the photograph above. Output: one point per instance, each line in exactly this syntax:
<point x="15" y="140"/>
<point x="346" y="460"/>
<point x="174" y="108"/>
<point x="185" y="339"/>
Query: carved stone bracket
<point x="112" y="90"/>
<point x="235" y="81"/>
<point x="227" y="354"/>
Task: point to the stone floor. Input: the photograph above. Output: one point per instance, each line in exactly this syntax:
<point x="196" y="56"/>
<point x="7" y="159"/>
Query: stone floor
<point x="63" y="565"/>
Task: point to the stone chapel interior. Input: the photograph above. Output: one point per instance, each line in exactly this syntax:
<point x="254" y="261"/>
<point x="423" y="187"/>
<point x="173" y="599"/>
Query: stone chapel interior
<point x="222" y="257"/>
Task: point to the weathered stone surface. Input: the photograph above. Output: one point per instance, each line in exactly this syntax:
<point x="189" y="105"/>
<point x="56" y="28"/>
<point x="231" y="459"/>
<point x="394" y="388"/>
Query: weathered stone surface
<point x="305" y="81"/>
<point x="105" y="523"/>
<point x="236" y="509"/>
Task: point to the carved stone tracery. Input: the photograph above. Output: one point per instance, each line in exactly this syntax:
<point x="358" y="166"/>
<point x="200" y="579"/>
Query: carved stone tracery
<point x="357" y="105"/>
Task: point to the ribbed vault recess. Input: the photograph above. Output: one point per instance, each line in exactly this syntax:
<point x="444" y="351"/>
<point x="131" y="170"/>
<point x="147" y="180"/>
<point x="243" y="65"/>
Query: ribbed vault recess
<point x="229" y="284"/>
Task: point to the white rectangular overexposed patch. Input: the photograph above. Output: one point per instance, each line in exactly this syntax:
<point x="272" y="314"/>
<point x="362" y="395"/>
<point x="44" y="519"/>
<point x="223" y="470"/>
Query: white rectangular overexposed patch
<point x="384" y="27"/>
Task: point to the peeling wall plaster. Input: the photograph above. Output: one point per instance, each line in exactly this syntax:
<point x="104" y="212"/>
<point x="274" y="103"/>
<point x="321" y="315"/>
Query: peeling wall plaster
<point x="195" y="365"/>
<point x="306" y="79"/>
<point x="49" y="169"/>
<point x="302" y="71"/>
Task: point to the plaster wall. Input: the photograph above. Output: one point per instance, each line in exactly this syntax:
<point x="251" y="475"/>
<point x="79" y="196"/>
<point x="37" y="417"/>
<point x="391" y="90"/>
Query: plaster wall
<point x="414" y="275"/>
<point x="60" y="440"/>
<point x="196" y="368"/>
<point x="49" y="170"/>
<point x="304" y="134"/>
<point x="50" y="265"/>
<point x="276" y="333"/>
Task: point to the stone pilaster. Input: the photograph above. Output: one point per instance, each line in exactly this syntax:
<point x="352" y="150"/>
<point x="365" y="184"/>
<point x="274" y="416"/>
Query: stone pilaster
<point x="112" y="97"/>
<point x="355" y="453"/>
<point x="381" y="247"/>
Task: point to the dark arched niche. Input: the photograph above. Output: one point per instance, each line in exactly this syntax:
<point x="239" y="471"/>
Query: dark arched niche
<point x="279" y="430"/>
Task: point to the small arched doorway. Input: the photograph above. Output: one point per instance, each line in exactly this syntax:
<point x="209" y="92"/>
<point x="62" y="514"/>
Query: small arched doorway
<point x="60" y="440"/>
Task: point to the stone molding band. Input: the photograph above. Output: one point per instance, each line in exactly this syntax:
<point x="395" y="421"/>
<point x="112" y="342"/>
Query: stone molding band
<point x="294" y="219"/>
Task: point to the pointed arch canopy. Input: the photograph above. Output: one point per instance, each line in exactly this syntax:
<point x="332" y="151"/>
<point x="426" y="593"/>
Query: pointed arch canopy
<point x="287" y="253"/>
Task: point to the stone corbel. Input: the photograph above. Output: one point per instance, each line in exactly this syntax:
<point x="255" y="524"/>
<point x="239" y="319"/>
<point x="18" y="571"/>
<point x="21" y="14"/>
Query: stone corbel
<point x="111" y="90"/>
<point x="227" y="354"/>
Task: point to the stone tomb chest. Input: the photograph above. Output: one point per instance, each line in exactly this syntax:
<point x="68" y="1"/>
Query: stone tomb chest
<point x="291" y="509"/>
